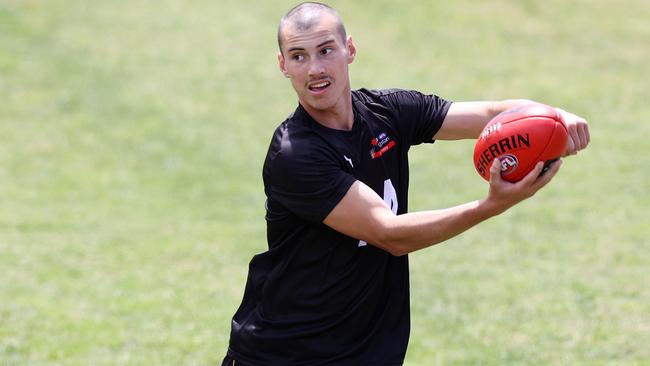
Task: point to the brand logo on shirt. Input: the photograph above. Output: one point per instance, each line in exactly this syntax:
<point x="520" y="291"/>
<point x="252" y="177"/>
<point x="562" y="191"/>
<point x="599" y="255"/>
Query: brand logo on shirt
<point x="380" y="145"/>
<point x="348" y="160"/>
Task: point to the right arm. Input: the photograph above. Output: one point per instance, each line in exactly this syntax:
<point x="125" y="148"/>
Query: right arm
<point x="466" y="120"/>
<point x="363" y="215"/>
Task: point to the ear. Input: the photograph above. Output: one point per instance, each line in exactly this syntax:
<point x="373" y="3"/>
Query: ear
<point x="282" y="65"/>
<point x="352" y="49"/>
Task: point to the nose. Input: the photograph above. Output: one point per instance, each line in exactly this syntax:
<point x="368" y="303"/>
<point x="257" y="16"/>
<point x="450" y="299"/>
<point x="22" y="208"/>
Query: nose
<point x="316" y="68"/>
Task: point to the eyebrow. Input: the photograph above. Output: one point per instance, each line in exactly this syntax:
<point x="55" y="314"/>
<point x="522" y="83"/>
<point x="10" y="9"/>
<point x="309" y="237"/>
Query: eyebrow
<point x="302" y="48"/>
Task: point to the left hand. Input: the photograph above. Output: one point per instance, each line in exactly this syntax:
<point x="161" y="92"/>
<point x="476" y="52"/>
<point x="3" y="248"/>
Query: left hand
<point x="578" y="129"/>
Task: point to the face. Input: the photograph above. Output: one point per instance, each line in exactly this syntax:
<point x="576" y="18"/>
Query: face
<point x="316" y="61"/>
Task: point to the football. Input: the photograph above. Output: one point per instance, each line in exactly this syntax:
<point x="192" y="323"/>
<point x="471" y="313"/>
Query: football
<point x="520" y="137"/>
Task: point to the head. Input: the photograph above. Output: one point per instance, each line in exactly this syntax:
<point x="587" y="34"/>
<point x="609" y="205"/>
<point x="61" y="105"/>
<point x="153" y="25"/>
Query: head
<point x="315" y="53"/>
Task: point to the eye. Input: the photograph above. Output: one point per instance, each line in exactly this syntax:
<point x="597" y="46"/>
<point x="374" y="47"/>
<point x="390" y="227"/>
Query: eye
<point x="326" y="51"/>
<point x="297" y="57"/>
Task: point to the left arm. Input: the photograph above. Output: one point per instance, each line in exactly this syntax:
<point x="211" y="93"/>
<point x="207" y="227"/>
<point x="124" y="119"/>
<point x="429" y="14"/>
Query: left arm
<point x="465" y="120"/>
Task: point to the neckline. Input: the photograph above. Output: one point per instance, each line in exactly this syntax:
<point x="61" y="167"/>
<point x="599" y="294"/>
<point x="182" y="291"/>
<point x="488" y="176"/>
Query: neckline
<point x="356" y="125"/>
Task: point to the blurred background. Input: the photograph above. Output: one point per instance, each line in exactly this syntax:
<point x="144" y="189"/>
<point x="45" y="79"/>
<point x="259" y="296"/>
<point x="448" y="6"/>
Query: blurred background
<point x="132" y="135"/>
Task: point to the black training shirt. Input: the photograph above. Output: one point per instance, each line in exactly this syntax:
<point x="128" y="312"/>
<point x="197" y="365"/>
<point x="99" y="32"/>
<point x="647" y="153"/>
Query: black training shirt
<point x="318" y="297"/>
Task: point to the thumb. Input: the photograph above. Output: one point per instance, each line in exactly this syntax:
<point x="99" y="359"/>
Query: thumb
<point x="495" y="171"/>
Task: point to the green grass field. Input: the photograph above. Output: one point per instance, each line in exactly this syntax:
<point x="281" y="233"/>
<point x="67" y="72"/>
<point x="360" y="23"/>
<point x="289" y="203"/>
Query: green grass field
<point x="132" y="135"/>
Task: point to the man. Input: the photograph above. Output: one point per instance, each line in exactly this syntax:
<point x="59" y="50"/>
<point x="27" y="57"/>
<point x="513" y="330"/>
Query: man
<point x="333" y="288"/>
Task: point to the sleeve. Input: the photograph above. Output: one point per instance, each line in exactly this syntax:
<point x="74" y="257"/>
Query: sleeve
<point x="307" y="183"/>
<point x="419" y="116"/>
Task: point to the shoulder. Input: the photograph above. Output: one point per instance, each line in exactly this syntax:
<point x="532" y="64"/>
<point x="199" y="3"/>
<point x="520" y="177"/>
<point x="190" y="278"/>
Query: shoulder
<point x="296" y="146"/>
<point x="386" y="95"/>
<point x="393" y="99"/>
<point x="418" y="116"/>
<point x="302" y="169"/>
<point x="292" y="134"/>
<point x="296" y="136"/>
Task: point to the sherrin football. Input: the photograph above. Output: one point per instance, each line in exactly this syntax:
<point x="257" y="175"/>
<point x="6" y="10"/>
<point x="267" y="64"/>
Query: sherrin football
<point x="520" y="137"/>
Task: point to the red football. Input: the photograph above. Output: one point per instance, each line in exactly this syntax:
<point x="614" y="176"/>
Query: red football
<point x="520" y="137"/>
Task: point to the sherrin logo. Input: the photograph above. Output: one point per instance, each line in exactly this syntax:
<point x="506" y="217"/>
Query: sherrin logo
<point x="509" y="163"/>
<point x="501" y="148"/>
<point x="380" y="145"/>
<point x="490" y="130"/>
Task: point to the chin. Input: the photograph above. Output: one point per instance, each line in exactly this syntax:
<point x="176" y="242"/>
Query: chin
<point x="316" y="103"/>
<point x="322" y="102"/>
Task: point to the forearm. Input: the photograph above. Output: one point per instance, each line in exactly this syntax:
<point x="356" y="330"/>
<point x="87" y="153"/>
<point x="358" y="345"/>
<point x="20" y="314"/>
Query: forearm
<point x="406" y="233"/>
<point x="501" y="106"/>
<point x="466" y="120"/>
<point x="413" y="231"/>
<point x="363" y="215"/>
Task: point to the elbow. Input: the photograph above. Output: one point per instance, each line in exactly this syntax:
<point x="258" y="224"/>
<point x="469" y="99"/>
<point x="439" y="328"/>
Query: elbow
<point x="395" y="250"/>
<point x="388" y="241"/>
<point x="398" y="251"/>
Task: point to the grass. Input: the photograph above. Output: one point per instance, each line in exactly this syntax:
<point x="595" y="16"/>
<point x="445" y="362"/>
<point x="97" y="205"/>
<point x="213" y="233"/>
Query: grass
<point x="131" y="200"/>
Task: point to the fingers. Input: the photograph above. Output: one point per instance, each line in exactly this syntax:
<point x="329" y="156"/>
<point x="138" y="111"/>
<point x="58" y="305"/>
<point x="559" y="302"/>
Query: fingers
<point x="546" y="177"/>
<point x="504" y="194"/>
<point x="578" y="130"/>
<point x="535" y="180"/>
<point x="531" y="177"/>
<point x="573" y="142"/>
<point x="570" y="147"/>
<point x="583" y="133"/>
<point x="578" y="137"/>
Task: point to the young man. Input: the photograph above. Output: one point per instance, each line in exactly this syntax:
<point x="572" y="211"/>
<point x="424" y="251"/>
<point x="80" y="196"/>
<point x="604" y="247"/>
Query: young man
<point x="333" y="288"/>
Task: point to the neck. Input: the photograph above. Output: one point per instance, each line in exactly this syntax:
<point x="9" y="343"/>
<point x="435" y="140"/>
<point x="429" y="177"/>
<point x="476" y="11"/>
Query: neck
<point x="339" y="117"/>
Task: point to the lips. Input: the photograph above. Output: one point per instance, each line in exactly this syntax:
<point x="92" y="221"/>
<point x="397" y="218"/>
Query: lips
<point x="319" y="86"/>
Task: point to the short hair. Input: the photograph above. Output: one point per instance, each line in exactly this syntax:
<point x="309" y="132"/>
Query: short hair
<point x="306" y="15"/>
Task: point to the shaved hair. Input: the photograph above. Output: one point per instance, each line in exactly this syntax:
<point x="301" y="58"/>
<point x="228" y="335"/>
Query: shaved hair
<point x="306" y="15"/>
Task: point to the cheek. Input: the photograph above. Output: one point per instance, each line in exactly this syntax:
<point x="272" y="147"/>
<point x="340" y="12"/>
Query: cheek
<point x="342" y="72"/>
<point x="291" y="73"/>
<point x="296" y="72"/>
<point x="297" y="82"/>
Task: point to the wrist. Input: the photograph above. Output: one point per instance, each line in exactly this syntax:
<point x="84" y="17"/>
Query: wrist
<point x="490" y="207"/>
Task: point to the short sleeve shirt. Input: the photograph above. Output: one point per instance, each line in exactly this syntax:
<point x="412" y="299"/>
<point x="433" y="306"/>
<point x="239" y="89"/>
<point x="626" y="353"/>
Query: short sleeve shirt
<point x="316" y="296"/>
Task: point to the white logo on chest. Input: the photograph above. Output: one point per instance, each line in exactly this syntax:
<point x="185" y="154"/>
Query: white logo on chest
<point x="348" y="160"/>
<point x="390" y="197"/>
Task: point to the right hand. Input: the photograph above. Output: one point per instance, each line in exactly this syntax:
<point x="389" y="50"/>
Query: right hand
<point x="503" y="194"/>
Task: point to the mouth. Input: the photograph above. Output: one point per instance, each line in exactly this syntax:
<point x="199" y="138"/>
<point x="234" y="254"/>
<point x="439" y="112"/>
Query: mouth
<point x="319" y="86"/>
